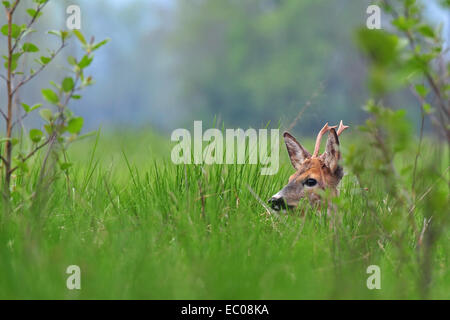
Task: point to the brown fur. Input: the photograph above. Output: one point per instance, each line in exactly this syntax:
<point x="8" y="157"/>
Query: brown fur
<point x="324" y="169"/>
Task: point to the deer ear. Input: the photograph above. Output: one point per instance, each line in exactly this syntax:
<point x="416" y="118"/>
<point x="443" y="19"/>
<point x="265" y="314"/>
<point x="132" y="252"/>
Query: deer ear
<point x="332" y="155"/>
<point x="297" y="153"/>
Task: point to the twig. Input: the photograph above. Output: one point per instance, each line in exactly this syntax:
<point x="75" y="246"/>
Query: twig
<point x="30" y="23"/>
<point x="425" y="225"/>
<point x="3" y="159"/>
<point x="19" y="120"/>
<point x="3" y="114"/>
<point x="268" y="210"/>
<point x="34" y="151"/>
<point x="422" y="120"/>
<point x="31" y="76"/>
<point x="306" y="106"/>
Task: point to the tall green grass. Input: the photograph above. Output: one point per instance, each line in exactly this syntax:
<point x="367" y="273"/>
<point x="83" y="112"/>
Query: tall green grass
<point x="141" y="227"/>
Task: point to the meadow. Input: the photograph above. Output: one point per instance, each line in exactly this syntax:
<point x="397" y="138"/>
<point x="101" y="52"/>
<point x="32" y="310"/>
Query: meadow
<point x="140" y="227"/>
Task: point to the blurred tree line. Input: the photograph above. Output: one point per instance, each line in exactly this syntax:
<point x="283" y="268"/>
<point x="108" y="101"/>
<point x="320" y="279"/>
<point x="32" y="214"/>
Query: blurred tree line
<point x="256" y="61"/>
<point x="246" y="62"/>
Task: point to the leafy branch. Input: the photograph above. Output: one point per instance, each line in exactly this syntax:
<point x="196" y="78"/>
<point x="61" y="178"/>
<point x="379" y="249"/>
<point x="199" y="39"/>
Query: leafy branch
<point x="61" y="125"/>
<point x="417" y="32"/>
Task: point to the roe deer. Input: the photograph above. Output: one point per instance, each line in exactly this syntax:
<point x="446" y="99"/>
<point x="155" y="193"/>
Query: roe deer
<point x="314" y="172"/>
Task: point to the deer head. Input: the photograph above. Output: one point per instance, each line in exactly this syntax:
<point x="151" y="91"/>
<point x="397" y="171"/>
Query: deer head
<point x="313" y="172"/>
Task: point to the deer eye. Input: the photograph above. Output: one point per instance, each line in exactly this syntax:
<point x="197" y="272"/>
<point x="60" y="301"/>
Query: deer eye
<point x="310" y="182"/>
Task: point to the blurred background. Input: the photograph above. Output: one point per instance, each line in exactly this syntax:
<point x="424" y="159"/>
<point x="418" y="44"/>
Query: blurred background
<point x="245" y="63"/>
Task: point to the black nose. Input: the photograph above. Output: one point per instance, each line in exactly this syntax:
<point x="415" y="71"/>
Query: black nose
<point x="277" y="203"/>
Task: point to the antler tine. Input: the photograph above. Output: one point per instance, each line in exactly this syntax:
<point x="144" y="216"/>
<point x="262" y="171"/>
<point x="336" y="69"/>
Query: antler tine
<point x="324" y="130"/>
<point x="341" y="128"/>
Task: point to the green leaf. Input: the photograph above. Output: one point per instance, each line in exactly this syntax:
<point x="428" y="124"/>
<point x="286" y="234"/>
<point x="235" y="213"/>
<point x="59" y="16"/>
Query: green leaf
<point x="68" y="84"/>
<point x="72" y="61"/>
<point x="404" y="24"/>
<point x="55" y="33"/>
<point x="26" y="107"/>
<point x="48" y="128"/>
<point x="46" y="114"/>
<point x="421" y="90"/>
<point x="100" y="44"/>
<point x="50" y="96"/>
<point x="36" y="135"/>
<point x="80" y="36"/>
<point x="76" y="97"/>
<point x="15" y="30"/>
<point x="14" y="58"/>
<point x="6" y="4"/>
<point x="85" y="62"/>
<point x="29" y="47"/>
<point x="45" y="60"/>
<point x="13" y="65"/>
<point x="22" y="166"/>
<point x="61" y="34"/>
<point x="426" y="30"/>
<point x="75" y="125"/>
<point x="58" y="87"/>
<point x="27" y="31"/>
<point x="34" y="13"/>
<point x="427" y="108"/>
<point x="36" y="106"/>
<point x="65" y="165"/>
<point x="65" y="35"/>
<point x="380" y="46"/>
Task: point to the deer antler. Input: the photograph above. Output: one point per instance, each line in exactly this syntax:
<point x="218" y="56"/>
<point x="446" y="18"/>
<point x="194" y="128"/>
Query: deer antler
<point x="341" y="128"/>
<point x="324" y="130"/>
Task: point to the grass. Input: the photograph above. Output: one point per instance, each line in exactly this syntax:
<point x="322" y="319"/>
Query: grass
<point x="141" y="227"/>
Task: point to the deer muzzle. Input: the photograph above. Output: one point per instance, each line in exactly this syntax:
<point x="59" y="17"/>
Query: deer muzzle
<point x="277" y="202"/>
